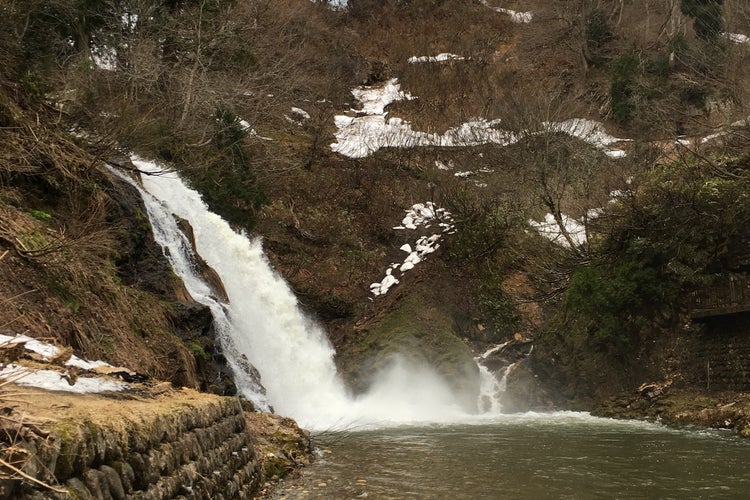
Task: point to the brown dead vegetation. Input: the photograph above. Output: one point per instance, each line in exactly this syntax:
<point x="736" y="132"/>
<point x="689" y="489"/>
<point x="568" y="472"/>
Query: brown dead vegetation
<point x="61" y="239"/>
<point x="327" y="224"/>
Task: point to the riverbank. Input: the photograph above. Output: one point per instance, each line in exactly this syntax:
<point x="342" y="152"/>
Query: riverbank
<point x="151" y="441"/>
<point x="682" y="407"/>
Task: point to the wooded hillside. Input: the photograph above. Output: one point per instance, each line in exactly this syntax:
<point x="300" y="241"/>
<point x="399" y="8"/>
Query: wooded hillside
<point x="240" y="96"/>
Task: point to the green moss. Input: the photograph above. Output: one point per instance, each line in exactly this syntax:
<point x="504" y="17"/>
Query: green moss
<point x="66" y="295"/>
<point x="142" y="220"/>
<point x="65" y="465"/>
<point x="40" y="215"/>
<point x="33" y="240"/>
<point x="198" y="351"/>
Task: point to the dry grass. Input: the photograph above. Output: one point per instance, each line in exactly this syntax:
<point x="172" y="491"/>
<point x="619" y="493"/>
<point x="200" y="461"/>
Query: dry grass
<point x="59" y="241"/>
<point x="16" y="430"/>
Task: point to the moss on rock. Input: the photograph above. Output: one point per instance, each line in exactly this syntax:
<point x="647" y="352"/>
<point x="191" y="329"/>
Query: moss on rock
<point x="420" y="329"/>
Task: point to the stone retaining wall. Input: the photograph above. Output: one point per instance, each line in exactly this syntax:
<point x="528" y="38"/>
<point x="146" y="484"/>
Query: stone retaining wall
<point x="717" y="358"/>
<point x="172" y="447"/>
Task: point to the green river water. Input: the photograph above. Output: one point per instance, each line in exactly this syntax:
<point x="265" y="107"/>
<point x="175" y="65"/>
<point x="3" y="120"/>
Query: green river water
<point x="532" y="456"/>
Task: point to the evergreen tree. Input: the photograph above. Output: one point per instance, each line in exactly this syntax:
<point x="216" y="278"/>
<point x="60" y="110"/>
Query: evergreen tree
<point x="708" y="18"/>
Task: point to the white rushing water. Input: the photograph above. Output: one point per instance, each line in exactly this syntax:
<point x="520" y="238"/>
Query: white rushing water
<point x="263" y="323"/>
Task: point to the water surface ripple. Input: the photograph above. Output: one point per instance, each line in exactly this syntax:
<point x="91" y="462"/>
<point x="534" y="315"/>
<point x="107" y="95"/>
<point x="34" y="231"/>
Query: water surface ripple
<point x="558" y="456"/>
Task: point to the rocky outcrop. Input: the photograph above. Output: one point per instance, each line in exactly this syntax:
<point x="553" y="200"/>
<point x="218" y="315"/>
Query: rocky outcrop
<point x="680" y="407"/>
<point x="419" y="328"/>
<point x="140" y="262"/>
<point x="143" y="264"/>
<point x="282" y="448"/>
<point x="150" y="446"/>
<point x="524" y="392"/>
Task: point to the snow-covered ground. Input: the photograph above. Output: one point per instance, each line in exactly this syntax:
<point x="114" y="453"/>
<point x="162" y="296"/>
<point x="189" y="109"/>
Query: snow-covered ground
<point x="736" y="37"/>
<point x="298" y="116"/>
<point x="368" y="129"/>
<point x="515" y="16"/>
<point x="551" y="230"/>
<point x="421" y="215"/>
<point x="55" y="380"/>
<point x="443" y="57"/>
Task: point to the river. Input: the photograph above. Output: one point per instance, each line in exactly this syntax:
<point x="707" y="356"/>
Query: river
<point x="531" y="456"/>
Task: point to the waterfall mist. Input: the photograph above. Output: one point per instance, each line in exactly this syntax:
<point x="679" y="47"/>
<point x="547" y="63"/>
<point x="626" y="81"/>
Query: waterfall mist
<point x="263" y="323"/>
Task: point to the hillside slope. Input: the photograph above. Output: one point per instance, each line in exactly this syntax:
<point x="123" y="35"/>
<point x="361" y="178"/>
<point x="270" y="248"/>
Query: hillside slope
<point x="589" y="120"/>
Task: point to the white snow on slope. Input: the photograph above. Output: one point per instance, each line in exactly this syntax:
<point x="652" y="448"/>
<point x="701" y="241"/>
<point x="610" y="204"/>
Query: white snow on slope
<point x="49" y="351"/>
<point x="515" y="16"/>
<point x="104" y="57"/>
<point x="550" y="230"/>
<point x="52" y="379"/>
<point x="375" y="99"/>
<point x="298" y="116"/>
<point x="589" y="131"/>
<point x="736" y="37"/>
<point x="367" y="132"/>
<point x="301" y="112"/>
<point x="443" y="57"/>
<point x="424" y="215"/>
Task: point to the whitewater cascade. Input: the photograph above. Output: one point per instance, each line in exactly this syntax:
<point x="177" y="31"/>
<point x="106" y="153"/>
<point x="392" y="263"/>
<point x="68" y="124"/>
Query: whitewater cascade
<point x="263" y="325"/>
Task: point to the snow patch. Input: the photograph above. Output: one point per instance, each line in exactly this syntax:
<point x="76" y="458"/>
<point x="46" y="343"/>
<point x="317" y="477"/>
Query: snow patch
<point x="551" y="230"/>
<point x="53" y="379"/>
<point x="736" y="37"/>
<point x="744" y="122"/>
<point x="445" y="56"/>
<point x="299" y="115"/>
<point x="368" y="131"/>
<point x="104" y="57"/>
<point x="587" y="130"/>
<point x="423" y="215"/>
<point x="382" y="287"/>
<point x="246" y="127"/>
<point x="375" y="99"/>
<point x="443" y="166"/>
<point x="515" y="16"/>
<point x="301" y="112"/>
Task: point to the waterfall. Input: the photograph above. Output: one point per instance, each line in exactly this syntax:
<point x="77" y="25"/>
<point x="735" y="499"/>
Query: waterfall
<point x="263" y="325"/>
<point x="179" y="252"/>
<point x="491" y="388"/>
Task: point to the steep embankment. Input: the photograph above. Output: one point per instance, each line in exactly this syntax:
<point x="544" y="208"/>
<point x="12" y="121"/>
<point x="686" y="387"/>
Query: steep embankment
<point x="80" y="266"/>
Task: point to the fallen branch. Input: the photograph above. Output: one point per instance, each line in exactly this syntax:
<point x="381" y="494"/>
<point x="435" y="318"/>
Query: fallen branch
<point x="29" y="478"/>
<point x="18" y="295"/>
